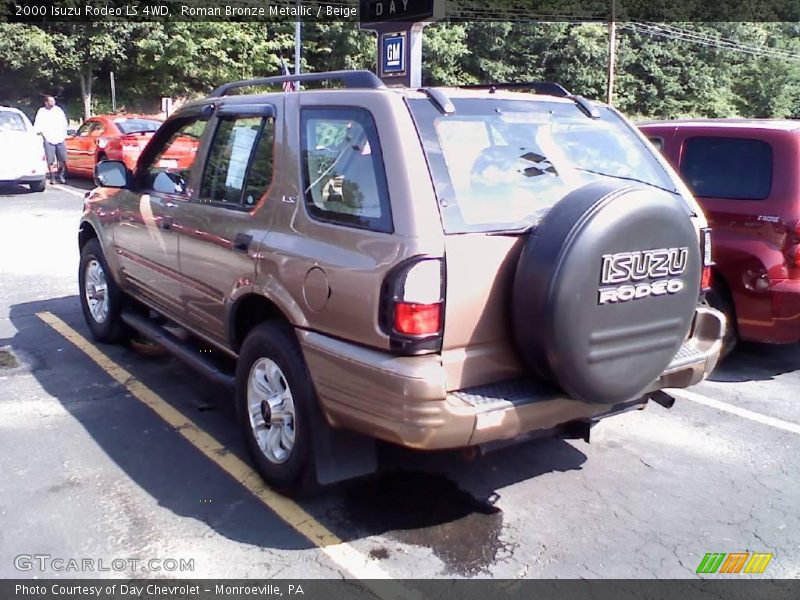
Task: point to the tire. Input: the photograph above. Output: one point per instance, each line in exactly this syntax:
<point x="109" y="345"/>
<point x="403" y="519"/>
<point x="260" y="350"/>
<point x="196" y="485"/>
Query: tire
<point x="605" y="291"/>
<point x="270" y="361"/>
<point x="719" y="297"/>
<point x="105" y="323"/>
<point x="38" y="186"/>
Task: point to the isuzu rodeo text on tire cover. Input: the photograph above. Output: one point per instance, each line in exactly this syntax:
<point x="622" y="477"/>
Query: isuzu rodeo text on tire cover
<point x="435" y="267"/>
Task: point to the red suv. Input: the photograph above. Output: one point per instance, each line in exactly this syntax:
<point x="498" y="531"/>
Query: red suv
<point x="745" y="174"/>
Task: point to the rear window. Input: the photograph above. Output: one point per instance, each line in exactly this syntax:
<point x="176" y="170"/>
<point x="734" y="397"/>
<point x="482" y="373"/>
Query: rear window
<point x="732" y="168"/>
<point x="11" y="121"/>
<point x="501" y="164"/>
<point x="127" y="126"/>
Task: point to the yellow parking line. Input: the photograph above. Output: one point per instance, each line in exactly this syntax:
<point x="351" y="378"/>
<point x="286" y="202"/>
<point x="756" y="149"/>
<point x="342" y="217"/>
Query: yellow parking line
<point x="344" y="555"/>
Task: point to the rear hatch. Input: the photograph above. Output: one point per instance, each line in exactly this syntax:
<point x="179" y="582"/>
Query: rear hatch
<point x="499" y="164"/>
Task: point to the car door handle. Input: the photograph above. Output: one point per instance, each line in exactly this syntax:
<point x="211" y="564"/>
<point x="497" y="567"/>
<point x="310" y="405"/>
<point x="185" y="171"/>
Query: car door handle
<point x="166" y="222"/>
<point x="241" y="243"/>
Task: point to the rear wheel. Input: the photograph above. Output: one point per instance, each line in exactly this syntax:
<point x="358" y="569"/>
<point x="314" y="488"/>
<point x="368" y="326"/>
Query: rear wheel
<point x="274" y="401"/>
<point x="38" y="186"/>
<point x="101" y="299"/>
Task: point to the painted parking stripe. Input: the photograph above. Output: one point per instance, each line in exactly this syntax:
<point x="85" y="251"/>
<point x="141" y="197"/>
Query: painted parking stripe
<point x="739" y="412"/>
<point x="68" y="190"/>
<point x="345" y="556"/>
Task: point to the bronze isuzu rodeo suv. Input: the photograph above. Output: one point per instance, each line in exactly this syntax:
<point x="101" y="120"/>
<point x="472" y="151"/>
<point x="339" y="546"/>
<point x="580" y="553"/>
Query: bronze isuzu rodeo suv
<point x="434" y="267"/>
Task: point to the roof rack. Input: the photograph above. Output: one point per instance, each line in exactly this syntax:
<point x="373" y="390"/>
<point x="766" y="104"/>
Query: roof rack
<point x="350" y="79"/>
<point x="545" y="88"/>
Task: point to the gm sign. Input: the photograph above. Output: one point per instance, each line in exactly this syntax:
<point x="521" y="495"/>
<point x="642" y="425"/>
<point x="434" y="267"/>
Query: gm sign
<point x="393" y="54"/>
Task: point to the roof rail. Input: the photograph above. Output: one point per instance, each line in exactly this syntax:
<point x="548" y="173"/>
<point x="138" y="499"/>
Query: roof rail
<point x="440" y="99"/>
<point x="350" y="79"/>
<point x="545" y="88"/>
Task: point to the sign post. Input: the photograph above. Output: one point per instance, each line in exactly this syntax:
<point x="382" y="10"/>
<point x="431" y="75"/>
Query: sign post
<point x="399" y="25"/>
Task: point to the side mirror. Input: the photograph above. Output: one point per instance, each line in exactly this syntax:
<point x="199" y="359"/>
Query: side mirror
<point x="71" y="131"/>
<point x="111" y="173"/>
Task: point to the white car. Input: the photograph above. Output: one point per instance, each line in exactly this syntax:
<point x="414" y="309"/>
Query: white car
<point x="22" y="158"/>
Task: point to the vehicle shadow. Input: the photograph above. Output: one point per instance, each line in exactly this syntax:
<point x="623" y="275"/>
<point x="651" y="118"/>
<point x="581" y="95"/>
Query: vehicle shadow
<point x="751" y="361"/>
<point x="440" y="500"/>
<point x="14" y="190"/>
<point x="81" y="183"/>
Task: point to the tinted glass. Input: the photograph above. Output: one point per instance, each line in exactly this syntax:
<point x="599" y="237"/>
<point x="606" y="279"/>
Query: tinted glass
<point x="168" y="172"/>
<point x="500" y="164"/>
<point x="127" y="126"/>
<point x="657" y="142"/>
<point x="733" y="168"/>
<point x="10" y="121"/>
<point x="229" y="158"/>
<point x="343" y="173"/>
<point x="259" y="177"/>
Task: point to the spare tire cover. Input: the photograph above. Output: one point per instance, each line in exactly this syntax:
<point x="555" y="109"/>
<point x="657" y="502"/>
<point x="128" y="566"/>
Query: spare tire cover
<point x="605" y="290"/>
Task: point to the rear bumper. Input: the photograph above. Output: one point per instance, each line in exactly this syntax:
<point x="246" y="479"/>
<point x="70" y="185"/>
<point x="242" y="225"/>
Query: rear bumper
<point x="5" y="180"/>
<point x="404" y="399"/>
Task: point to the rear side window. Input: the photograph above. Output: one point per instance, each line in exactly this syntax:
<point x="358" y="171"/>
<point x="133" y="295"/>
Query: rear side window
<point x="128" y="126"/>
<point x="240" y="145"/>
<point x="731" y="168"/>
<point x="657" y="142"/>
<point x="343" y="175"/>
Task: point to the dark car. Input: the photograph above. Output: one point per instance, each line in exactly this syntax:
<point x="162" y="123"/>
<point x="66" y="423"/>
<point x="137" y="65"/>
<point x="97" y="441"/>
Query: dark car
<point x="744" y="173"/>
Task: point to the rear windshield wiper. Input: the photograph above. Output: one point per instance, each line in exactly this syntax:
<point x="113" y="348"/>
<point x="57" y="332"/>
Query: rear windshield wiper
<point x="623" y="177"/>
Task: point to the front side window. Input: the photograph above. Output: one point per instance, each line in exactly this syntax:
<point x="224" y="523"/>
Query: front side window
<point x="731" y="168"/>
<point x="168" y="172"/>
<point x="343" y="174"/>
<point x="84" y="129"/>
<point x="231" y="177"/>
<point x="500" y="164"/>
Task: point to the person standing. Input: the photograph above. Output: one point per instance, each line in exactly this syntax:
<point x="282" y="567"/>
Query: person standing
<point x="51" y="123"/>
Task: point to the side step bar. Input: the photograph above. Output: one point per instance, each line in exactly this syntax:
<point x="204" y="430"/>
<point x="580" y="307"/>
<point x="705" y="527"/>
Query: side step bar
<point x="183" y="351"/>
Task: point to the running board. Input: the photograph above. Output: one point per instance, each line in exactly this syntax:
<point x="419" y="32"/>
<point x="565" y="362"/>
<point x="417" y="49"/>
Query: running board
<point x="180" y="349"/>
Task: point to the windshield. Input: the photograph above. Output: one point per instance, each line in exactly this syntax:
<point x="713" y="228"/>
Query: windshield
<point x="127" y="126"/>
<point x="500" y="164"/>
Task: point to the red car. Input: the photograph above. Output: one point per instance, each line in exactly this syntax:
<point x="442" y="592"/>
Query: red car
<point x="108" y="137"/>
<point x="744" y="172"/>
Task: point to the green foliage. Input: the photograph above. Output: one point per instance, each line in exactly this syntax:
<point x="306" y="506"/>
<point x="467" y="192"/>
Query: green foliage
<point x="657" y="75"/>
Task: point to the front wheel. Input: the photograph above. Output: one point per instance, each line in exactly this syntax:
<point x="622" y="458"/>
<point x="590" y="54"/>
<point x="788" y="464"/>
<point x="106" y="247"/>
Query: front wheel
<point x="38" y="186"/>
<point x="101" y="299"/>
<point x="274" y="401"/>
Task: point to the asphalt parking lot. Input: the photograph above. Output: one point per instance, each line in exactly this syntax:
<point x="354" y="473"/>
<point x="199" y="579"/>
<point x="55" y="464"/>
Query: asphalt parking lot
<point x="107" y="454"/>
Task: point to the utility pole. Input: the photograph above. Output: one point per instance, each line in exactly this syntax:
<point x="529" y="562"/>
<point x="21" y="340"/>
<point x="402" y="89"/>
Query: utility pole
<point x="612" y="53"/>
<point x="297" y="43"/>
<point x="113" y="94"/>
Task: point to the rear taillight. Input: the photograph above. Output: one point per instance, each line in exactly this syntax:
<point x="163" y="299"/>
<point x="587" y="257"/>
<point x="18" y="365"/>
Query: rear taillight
<point x="412" y="305"/>
<point x="706" y="281"/>
<point x="417" y="319"/>
<point x="708" y="262"/>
